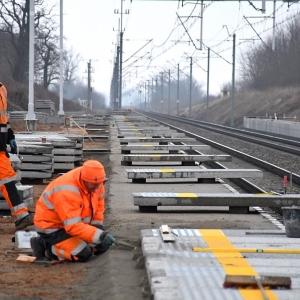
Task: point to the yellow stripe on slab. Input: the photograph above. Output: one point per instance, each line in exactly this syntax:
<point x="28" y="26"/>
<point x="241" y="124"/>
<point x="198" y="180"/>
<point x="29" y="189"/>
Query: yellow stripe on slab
<point x="166" y="170"/>
<point x="248" y="250"/>
<point x="143" y="138"/>
<point x="147" y="145"/>
<point x="265" y="194"/>
<point x="233" y="263"/>
<point x="155" y="155"/>
<point x="186" y="195"/>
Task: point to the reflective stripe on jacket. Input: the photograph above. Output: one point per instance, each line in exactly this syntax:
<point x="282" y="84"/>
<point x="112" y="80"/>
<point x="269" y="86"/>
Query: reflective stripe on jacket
<point x="66" y="204"/>
<point x="6" y="133"/>
<point x="3" y="105"/>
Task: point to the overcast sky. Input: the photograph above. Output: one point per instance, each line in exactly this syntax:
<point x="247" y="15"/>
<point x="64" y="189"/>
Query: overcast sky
<point x="91" y="28"/>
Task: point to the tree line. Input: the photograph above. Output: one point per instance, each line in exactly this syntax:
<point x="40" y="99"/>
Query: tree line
<point x="262" y="67"/>
<point x="14" y="50"/>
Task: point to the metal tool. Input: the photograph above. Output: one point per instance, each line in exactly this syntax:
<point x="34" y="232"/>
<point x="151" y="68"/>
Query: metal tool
<point x="124" y="244"/>
<point x="260" y="281"/>
<point x="260" y="286"/>
<point x="17" y="252"/>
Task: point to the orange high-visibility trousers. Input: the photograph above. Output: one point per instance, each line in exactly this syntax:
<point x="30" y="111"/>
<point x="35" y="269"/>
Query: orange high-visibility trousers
<point x="8" y="188"/>
<point x="73" y="249"/>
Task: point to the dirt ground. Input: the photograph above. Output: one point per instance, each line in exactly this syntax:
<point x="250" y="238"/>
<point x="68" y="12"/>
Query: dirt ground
<point x="92" y="280"/>
<point x="119" y="273"/>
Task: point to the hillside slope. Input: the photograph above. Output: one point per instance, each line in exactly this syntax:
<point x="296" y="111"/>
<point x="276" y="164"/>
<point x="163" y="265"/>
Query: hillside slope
<point x="283" y="101"/>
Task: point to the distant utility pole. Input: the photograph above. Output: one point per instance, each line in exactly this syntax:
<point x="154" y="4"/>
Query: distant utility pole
<point x="61" y="63"/>
<point x="145" y="95"/>
<point x="156" y="95"/>
<point x="207" y="89"/>
<point x="162" y="90"/>
<point x="89" y="86"/>
<point x="148" y="94"/>
<point x="121" y="52"/>
<point x="30" y="117"/>
<point x="169" y="95"/>
<point x="191" y="73"/>
<point x="233" y="81"/>
<point x="152" y="95"/>
<point x="177" y="89"/>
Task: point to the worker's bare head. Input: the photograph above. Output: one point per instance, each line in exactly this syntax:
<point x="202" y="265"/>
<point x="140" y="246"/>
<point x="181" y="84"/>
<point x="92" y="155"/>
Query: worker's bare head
<point x="92" y="175"/>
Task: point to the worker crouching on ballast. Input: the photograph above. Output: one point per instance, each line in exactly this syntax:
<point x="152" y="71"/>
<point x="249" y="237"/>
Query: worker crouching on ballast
<point x="69" y="216"/>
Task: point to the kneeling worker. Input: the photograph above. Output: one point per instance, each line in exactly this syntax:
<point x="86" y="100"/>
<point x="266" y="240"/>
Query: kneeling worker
<point x="69" y="216"/>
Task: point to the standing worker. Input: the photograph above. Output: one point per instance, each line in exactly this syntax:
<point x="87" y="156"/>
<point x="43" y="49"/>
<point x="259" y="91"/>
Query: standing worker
<point x="69" y="216"/>
<point x="18" y="208"/>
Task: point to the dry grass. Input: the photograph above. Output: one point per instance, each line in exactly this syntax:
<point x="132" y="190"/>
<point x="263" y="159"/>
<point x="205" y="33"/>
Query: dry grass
<point x="250" y="103"/>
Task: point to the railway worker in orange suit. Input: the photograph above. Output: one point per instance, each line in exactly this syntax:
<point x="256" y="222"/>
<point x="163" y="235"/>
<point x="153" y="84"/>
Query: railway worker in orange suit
<point x="69" y="216"/>
<point x="18" y="208"/>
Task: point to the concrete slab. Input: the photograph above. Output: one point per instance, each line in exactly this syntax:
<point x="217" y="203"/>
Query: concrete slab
<point x="151" y="147"/>
<point x="25" y="191"/>
<point x="36" y="158"/>
<point x="37" y="167"/>
<point x="36" y="174"/>
<point x="150" y="134"/>
<point x="191" y="173"/>
<point x="127" y="140"/>
<point x="4" y="206"/>
<point x="193" y="275"/>
<point x="213" y="199"/>
<point x="188" y="158"/>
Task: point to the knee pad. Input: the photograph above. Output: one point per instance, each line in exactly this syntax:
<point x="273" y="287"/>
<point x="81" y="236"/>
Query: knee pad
<point x="83" y="255"/>
<point x="100" y="249"/>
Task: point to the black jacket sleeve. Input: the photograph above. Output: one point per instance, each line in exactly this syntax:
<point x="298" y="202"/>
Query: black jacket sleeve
<point x="10" y="135"/>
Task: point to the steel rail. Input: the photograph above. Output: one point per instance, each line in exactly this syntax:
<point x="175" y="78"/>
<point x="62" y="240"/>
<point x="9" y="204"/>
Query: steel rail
<point x="249" y="158"/>
<point x="243" y="135"/>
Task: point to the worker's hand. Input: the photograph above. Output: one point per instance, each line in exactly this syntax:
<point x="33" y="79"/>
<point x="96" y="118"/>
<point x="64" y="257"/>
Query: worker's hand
<point x="13" y="146"/>
<point x="106" y="239"/>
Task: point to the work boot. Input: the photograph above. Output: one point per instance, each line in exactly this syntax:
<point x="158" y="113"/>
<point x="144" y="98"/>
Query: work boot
<point x="24" y="222"/>
<point x="38" y="247"/>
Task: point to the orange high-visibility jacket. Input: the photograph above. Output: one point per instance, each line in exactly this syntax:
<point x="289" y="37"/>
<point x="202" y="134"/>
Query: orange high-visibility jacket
<point x="3" y="105"/>
<point x="6" y="133"/>
<point x="66" y="204"/>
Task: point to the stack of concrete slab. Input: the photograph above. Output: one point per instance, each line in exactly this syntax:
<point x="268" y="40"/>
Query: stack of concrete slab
<point x="25" y="191"/>
<point x="45" y="106"/>
<point x="21" y="115"/>
<point x="17" y="165"/>
<point x="37" y="159"/>
<point x="86" y="120"/>
<point x="76" y="152"/>
<point x="65" y="150"/>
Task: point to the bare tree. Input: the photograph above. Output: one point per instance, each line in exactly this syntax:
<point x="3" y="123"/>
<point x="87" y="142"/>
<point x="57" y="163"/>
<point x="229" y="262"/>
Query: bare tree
<point x="14" y="21"/>
<point x="261" y="67"/>
<point x="71" y="62"/>
<point x="47" y="54"/>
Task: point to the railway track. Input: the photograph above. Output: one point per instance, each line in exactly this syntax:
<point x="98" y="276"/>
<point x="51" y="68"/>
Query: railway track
<point x="276" y="156"/>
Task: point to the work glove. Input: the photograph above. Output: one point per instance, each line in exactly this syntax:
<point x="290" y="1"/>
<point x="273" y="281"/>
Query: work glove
<point x="106" y="239"/>
<point x="13" y="146"/>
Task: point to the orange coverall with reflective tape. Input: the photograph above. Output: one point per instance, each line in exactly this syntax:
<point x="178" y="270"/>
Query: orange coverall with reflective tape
<point x="65" y="204"/>
<point x="8" y="188"/>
